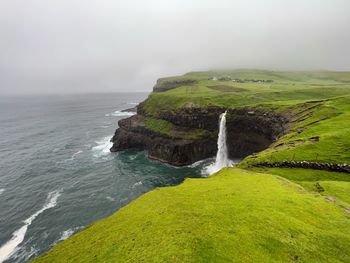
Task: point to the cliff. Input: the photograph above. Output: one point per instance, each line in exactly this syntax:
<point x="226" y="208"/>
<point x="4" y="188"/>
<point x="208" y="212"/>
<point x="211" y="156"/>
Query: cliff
<point x="178" y="122"/>
<point x="288" y="200"/>
<point x="193" y="133"/>
<point x="177" y="148"/>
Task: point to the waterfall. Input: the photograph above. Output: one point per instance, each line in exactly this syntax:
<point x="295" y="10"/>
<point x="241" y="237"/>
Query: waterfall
<point x="221" y="159"/>
<point x="222" y="154"/>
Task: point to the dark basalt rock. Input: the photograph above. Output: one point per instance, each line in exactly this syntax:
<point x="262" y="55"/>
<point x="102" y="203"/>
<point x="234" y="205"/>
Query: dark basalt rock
<point x="252" y="131"/>
<point x="132" y="133"/>
<point x="248" y="132"/>
<point x="196" y="118"/>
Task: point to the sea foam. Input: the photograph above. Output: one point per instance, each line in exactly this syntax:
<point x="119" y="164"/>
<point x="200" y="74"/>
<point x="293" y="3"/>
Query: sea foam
<point x="76" y="153"/>
<point x="66" y="234"/>
<point x="110" y="198"/>
<point x="196" y="164"/>
<point x="17" y="237"/>
<point x="120" y="114"/>
<point x="137" y="184"/>
<point x="102" y="147"/>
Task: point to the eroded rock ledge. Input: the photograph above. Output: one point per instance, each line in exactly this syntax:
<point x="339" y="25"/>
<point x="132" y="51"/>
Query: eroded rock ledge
<point x="248" y="131"/>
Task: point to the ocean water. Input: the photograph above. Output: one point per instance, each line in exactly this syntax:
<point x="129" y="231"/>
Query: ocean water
<point x="56" y="172"/>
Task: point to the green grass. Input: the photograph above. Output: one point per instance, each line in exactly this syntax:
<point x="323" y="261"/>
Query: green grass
<point x="279" y="76"/>
<point x="334" y="184"/>
<point x="287" y="94"/>
<point x="338" y="189"/>
<point x="245" y="214"/>
<point x="234" y="216"/>
<point x="329" y="121"/>
<point x="159" y="125"/>
<point x="168" y="129"/>
<point x="287" y="88"/>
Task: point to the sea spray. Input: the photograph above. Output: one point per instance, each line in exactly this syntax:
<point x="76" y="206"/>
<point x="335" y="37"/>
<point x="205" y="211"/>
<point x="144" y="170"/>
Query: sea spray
<point x="17" y="237"/>
<point x="221" y="159"/>
<point x="102" y="147"/>
<point x="67" y="233"/>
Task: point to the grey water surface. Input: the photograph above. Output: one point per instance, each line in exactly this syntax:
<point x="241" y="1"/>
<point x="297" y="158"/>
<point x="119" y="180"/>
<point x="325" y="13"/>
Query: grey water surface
<point x="57" y="174"/>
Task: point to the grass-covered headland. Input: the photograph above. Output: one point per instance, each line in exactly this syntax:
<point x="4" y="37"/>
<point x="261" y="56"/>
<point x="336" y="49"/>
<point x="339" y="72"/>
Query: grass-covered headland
<point x="250" y="213"/>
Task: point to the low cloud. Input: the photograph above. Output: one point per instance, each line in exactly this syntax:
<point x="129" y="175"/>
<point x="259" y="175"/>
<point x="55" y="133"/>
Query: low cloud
<point x="72" y="46"/>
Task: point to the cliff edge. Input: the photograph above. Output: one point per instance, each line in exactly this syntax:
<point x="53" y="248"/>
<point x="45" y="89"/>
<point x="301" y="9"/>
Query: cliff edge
<point x="287" y="201"/>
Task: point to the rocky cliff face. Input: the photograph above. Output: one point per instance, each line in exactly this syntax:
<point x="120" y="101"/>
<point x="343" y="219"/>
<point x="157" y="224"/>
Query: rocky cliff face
<point x="248" y="132"/>
<point x="133" y="133"/>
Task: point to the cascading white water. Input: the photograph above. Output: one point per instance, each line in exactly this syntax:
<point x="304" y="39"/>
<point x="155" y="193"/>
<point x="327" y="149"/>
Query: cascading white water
<point x="222" y="159"/>
<point x="222" y="154"/>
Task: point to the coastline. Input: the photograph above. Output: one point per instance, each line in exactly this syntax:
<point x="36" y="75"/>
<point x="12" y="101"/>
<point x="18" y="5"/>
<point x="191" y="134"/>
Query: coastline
<point x="178" y="125"/>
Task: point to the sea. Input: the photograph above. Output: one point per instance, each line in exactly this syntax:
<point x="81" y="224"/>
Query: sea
<point x="57" y="174"/>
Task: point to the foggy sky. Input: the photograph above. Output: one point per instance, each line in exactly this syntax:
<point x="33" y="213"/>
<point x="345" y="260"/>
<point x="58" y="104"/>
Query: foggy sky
<point x="73" y="46"/>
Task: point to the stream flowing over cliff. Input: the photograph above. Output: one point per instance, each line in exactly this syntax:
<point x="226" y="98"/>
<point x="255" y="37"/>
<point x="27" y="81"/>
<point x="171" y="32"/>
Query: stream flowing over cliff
<point x="248" y="131"/>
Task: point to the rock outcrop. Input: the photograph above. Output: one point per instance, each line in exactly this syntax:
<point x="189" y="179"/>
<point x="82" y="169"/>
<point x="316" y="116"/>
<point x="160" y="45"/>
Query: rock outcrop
<point x="248" y="131"/>
<point x="334" y="167"/>
<point x="133" y="133"/>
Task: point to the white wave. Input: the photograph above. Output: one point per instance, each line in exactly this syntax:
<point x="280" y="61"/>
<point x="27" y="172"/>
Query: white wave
<point x="25" y="254"/>
<point x="17" y="237"/>
<point x="132" y="103"/>
<point x="194" y="165"/>
<point x="75" y="154"/>
<point x="133" y="157"/>
<point x="32" y="251"/>
<point x="2" y="190"/>
<point x="137" y="184"/>
<point x="70" y="159"/>
<point x="102" y="147"/>
<point x="110" y="198"/>
<point x="66" y="234"/>
<point x="120" y="114"/>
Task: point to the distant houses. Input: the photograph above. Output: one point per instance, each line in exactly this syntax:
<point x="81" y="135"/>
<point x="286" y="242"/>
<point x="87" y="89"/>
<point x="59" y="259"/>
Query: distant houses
<point x="228" y="78"/>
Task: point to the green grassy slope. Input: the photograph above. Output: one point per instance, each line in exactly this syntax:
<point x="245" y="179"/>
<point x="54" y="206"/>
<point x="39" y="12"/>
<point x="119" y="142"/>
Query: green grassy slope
<point x="244" y="214"/>
<point x="328" y="184"/>
<point x="287" y="88"/>
<point x="320" y="133"/>
<point x="167" y="128"/>
<point x="317" y="104"/>
<point x="234" y="216"/>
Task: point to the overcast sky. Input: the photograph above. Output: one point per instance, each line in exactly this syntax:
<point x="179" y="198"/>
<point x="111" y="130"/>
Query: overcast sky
<point x="64" y="46"/>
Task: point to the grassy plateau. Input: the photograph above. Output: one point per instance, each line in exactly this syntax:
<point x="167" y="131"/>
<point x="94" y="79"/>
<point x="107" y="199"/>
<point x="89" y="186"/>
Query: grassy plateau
<point x="245" y="213"/>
